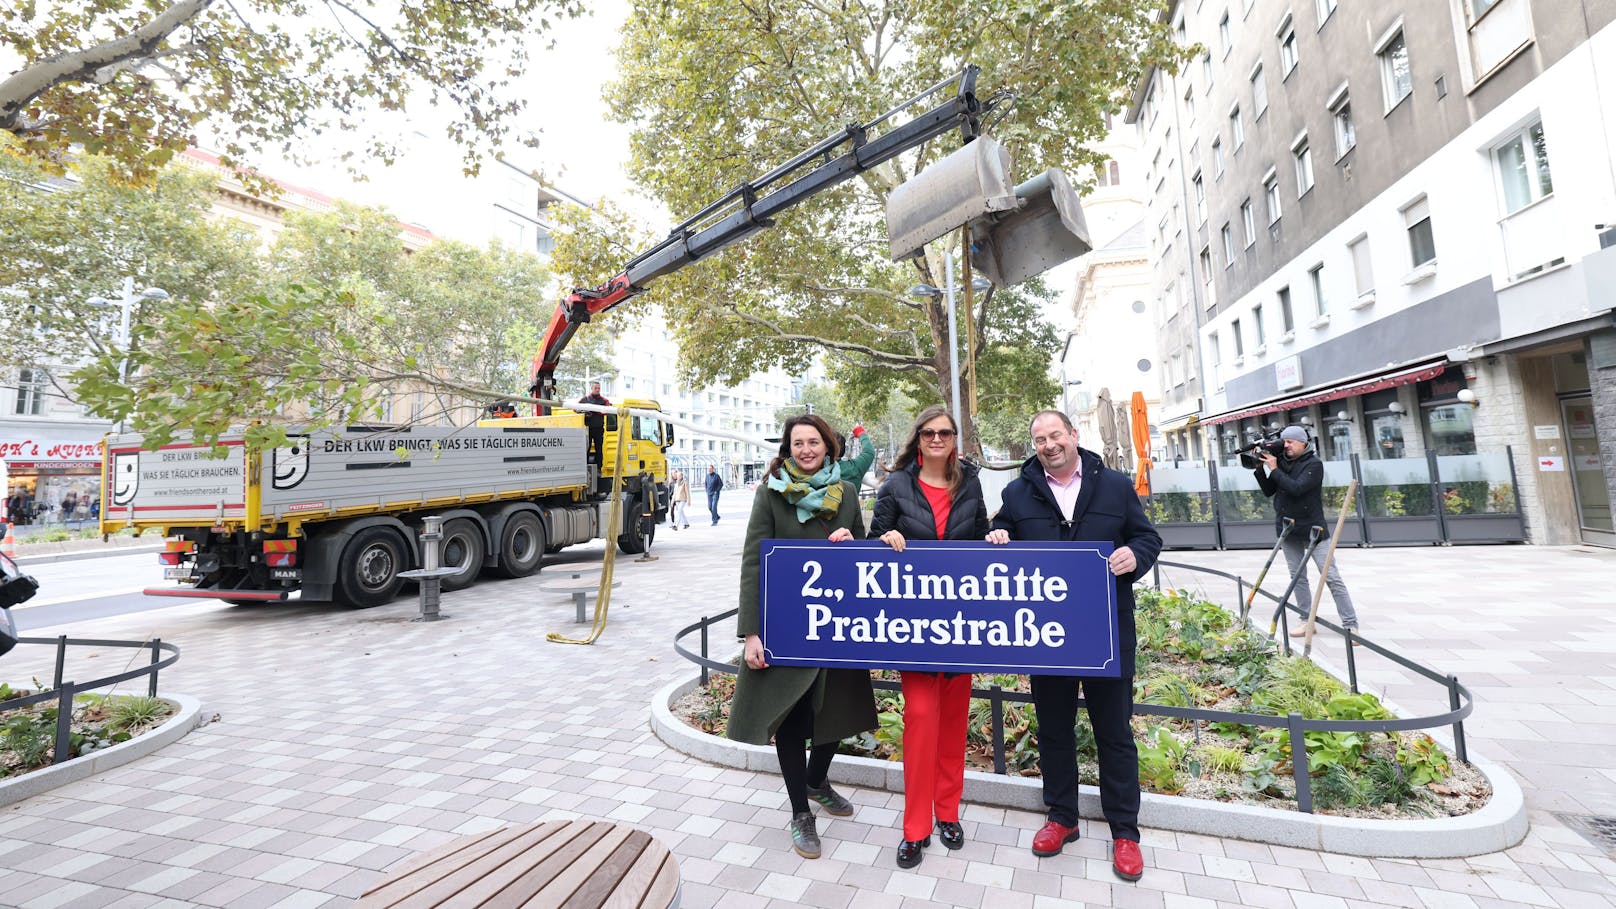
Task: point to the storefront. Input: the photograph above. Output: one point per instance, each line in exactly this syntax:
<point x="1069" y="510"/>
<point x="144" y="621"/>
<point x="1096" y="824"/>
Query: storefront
<point x="50" y="481"/>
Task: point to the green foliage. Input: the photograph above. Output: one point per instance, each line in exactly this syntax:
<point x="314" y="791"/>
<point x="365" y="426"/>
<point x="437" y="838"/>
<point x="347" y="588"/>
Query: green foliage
<point x="1160" y="756"/>
<point x="263" y="73"/>
<point x="1262" y="773"/>
<point x="133" y="713"/>
<point x="1296" y="685"/>
<point x="1391" y="784"/>
<point x="1222" y="758"/>
<point x="1422" y="759"/>
<point x="1332" y="749"/>
<point x="1339" y="787"/>
<point x="890" y="731"/>
<point x="1364" y="706"/>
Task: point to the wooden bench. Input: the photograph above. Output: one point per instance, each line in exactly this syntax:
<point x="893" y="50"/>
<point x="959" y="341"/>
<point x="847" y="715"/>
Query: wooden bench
<point x="580" y="589"/>
<point x="578" y="864"/>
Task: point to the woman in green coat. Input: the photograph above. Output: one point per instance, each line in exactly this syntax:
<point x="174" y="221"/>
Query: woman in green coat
<point x="804" y="498"/>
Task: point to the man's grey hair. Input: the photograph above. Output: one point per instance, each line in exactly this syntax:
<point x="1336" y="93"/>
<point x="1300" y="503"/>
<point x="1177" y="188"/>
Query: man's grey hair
<point x="1065" y="421"/>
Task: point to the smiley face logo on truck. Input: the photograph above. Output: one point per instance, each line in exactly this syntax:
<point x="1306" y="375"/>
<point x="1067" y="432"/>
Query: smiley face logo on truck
<point x="125" y="477"/>
<point x="290" y="463"/>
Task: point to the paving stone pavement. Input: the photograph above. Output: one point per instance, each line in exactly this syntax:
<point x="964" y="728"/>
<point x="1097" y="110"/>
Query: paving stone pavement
<point x="348" y="740"/>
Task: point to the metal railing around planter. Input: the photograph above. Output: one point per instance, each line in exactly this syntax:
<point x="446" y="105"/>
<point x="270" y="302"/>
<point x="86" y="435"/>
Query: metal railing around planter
<point x="1460" y="701"/>
<point x="63" y="692"/>
<point x="1427" y="499"/>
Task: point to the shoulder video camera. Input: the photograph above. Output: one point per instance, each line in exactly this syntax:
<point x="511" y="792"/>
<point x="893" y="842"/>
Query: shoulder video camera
<point x="1251" y="456"/>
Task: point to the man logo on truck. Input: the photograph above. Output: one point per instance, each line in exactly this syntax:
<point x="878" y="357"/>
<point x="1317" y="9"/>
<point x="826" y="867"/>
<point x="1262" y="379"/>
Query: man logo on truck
<point x="125" y="477"/>
<point x="290" y="463"/>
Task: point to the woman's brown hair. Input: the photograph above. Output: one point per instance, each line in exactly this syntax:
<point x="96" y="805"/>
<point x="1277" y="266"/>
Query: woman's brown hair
<point x="833" y="452"/>
<point x="910" y="453"/>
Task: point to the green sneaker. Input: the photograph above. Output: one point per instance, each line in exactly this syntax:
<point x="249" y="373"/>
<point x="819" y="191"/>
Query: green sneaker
<point x="832" y="800"/>
<point x="804" y="838"/>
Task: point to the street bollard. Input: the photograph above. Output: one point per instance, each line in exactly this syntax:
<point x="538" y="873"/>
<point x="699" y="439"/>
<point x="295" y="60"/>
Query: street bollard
<point x="429" y="575"/>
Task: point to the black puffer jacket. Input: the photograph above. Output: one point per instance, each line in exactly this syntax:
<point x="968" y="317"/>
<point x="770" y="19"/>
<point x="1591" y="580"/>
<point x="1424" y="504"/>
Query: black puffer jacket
<point x="1297" y="488"/>
<point x="901" y="506"/>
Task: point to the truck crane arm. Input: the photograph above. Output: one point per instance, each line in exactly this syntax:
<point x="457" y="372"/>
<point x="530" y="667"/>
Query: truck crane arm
<point x="751" y="207"/>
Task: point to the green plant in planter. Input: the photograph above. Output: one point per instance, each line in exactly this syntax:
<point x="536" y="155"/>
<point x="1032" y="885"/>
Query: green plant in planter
<point x="1391" y="784"/>
<point x="1501" y="498"/>
<point x="1339" y="787"/>
<point x="1422" y="759"/>
<point x="890" y="732"/>
<point x="1362" y="706"/>
<point x="131" y="714"/>
<point x="1332" y="749"/>
<point x="1222" y="758"/>
<point x="1394" y="502"/>
<point x="1159" y="757"/>
<point x="1262" y="774"/>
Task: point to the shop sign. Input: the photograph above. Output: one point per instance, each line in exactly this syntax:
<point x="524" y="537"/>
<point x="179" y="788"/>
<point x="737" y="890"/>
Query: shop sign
<point x="92" y="467"/>
<point x="1546" y="431"/>
<point x="1288" y="372"/>
<point x="50" y="450"/>
<point x="1551" y="464"/>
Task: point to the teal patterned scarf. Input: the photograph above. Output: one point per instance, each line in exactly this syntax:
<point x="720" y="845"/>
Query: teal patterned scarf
<point x="817" y="495"/>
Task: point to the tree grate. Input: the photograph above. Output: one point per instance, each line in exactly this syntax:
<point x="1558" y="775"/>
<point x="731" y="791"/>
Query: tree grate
<point x="1601" y="831"/>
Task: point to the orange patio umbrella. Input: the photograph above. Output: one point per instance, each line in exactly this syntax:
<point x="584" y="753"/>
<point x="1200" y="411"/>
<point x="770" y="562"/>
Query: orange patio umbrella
<point x="1140" y="418"/>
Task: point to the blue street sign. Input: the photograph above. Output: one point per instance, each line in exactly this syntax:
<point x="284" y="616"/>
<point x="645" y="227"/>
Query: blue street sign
<point x="1022" y="608"/>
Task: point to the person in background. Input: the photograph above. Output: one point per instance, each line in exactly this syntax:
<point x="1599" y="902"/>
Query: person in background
<point x="1065" y="493"/>
<point x="801" y="499"/>
<point x="595" y="423"/>
<point x="715" y="485"/>
<point x="855" y="466"/>
<point x="931" y="495"/>
<point x="680" y="501"/>
<point x="1297" y="487"/>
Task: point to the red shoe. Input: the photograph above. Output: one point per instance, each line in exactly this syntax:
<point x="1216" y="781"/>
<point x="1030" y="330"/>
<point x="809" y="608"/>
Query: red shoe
<point x="1051" y="837"/>
<point x="1126" y="860"/>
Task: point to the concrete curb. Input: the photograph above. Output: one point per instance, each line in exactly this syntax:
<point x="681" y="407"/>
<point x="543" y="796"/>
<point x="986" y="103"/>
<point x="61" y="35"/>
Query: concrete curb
<point x="1499" y="825"/>
<point x="186" y="718"/>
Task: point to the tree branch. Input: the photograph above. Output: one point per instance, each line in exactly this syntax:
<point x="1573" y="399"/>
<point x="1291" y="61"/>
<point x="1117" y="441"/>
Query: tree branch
<point x="882" y="358"/>
<point x="27" y="84"/>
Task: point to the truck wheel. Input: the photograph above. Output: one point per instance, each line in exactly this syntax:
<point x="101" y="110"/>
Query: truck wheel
<point x="462" y="549"/>
<point x="635" y="540"/>
<point x="368" y="573"/>
<point x="521" y="545"/>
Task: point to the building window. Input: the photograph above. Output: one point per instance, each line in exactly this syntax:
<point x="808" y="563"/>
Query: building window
<point x="1216" y="348"/>
<point x="1217" y="158"/>
<point x="31" y="392"/>
<point x="1113" y="172"/>
<point x="1189" y="104"/>
<point x="1303" y="155"/>
<point x="1225" y="39"/>
<point x="1287" y="46"/>
<point x="1363" y="271"/>
<point x="1248" y="222"/>
<point x="1149" y="107"/>
<point x="1228" y="245"/>
<point x="1315" y="282"/>
<point x="1287" y="319"/>
<point x="1200" y="197"/>
<point x="1394" y="71"/>
<point x="1206" y="69"/>
<point x="1257" y="323"/>
<point x="1421" y="240"/>
<point x="1206" y="276"/>
<point x="1341" y="116"/>
<point x="1271" y="194"/>
<point x="1523" y="168"/>
<point x="1239" y="341"/>
<point x="1259" y="91"/>
<point x="1326" y="7"/>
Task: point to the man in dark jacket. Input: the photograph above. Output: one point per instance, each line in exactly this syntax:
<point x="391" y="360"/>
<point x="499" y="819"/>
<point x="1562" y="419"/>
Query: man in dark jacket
<point x="1065" y="493"/>
<point x="1297" y="487"/>
<point x="715" y="485"/>
<point x="595" y="423"/>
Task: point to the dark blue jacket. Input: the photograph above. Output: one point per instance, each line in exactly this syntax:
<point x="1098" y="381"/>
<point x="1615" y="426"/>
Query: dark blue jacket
<point x="714" y="483"/>
<point x="1107" y="510"/>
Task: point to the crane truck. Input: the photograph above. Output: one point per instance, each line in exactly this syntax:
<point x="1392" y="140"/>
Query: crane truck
<point x="335" y="514"/>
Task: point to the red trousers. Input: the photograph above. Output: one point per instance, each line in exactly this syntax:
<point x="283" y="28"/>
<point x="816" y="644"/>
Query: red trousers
<point x="934" y="714"/>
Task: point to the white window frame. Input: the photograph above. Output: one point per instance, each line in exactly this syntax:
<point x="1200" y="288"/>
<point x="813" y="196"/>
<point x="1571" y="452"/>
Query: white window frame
<point x="1217" y="159"/>
<point x="1248" y="221"/>
<point x="1340" y="108"/>
<point x="1225" y="34"/>
<point x="1537" y="169"/>
<point x="32" y="389"/>
<point x="1363" y="269"/>
<point x="1239" y="341"/>
<point x="1262" y="330"/>
<point x="1199" y="186"/>
<point x="1289" y="56"/>
<point x="1302" y="156"/>
<point x="1227" y="232"/>
<point x="1415" y="213"/>
<point x="1315" y="283"/>
<point x="1287" y="311"/>
<point x="1237" y="127"/>
<point x="1259" y="92"/>
<point x="1270" y="183"/>
<point x="1325" y="9"/>
<point x="1388" y="66"/>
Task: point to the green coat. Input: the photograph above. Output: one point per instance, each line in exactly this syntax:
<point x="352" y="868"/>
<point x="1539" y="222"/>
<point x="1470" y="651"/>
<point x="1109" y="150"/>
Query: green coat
<point x="843" y="699"/>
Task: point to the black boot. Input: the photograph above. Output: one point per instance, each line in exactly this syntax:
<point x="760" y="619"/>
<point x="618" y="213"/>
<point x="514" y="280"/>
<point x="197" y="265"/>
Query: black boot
<point x="951" y="833"/>
<point x="909" y="852"/>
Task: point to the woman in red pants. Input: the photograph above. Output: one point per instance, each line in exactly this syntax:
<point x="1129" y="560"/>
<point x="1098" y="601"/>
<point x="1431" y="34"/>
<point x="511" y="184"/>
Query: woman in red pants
<point x="931" y="495"/>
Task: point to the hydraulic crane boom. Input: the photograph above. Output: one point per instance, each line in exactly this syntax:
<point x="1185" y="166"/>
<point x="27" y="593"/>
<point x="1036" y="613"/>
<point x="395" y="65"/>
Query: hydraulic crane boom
<point x="751" y="207"/>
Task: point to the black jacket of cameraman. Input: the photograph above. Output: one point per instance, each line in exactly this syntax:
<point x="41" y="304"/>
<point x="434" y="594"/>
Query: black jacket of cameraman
<point x="1297" y="487"/>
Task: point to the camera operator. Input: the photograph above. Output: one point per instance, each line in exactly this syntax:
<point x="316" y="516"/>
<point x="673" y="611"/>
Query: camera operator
<point x="1296" y="484"/>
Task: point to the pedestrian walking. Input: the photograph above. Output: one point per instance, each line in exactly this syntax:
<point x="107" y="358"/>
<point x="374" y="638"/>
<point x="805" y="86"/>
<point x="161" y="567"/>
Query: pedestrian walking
<point x="715" y="485"/>
<point x="1066" y="493"/>
<point x="801" y="500"/>
<point x="681" y="501"/>
<point x="1296" y="484"/>
<point x="931" y="495"/>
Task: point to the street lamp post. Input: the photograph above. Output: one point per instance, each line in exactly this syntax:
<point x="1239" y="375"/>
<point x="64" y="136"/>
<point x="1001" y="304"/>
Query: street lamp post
<point x="125" y="306"/>
<point x="948" y="294"/>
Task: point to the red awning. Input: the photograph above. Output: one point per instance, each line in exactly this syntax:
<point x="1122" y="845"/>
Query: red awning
<point x="1405" y="376"/>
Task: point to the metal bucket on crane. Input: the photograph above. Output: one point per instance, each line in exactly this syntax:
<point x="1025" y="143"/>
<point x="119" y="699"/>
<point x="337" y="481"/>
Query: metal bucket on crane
<point x="1017" y="231"/>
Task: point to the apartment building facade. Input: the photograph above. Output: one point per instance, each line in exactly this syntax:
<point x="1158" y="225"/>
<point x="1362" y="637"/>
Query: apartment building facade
<point x="1393" y="223"/>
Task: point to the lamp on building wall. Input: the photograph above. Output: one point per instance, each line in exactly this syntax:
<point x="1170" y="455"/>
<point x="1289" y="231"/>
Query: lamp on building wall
<point x="1307" y="420"/>
<point x="1343" y="416"/>
<point x="1395" y="407"/>
<point x="1466" y="396"/>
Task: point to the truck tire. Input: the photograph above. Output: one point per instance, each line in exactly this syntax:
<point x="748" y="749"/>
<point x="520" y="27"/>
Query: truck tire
<point x="635" y="539"/>
<point x="367" y="574"/>
<point x="463" y="548"/>
<point x="521" y="545"/>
